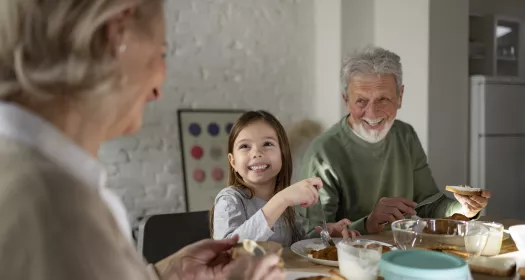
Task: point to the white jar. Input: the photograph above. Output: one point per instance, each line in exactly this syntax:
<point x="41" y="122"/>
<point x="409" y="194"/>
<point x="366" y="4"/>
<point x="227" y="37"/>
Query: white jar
<point x="494" y="240"/>
<point x="357" y="263"/>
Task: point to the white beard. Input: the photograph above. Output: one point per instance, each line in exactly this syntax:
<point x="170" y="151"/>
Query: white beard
<point x="372" y="135"/>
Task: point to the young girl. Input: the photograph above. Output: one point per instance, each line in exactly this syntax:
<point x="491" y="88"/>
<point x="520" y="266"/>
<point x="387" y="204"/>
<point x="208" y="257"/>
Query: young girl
<point x="258" y="204"/>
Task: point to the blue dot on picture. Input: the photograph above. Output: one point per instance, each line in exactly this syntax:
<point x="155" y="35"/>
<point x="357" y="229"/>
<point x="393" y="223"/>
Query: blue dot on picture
<point x="195" y="129"/>
<point x="229" y="127"/>
<point x="213" y="129"/>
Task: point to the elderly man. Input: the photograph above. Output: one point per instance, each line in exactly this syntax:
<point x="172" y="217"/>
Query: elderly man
<point x="373" y="167"/>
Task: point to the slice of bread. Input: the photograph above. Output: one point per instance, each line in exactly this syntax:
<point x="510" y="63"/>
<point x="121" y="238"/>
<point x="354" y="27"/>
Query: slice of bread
<point x="501" y="267"/>
<point x="464" y="190"/>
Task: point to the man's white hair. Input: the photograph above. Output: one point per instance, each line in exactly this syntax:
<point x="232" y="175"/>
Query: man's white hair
<point x="371" y="60"/>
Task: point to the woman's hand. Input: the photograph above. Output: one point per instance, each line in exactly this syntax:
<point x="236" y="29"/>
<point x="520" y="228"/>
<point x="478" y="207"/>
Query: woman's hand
<point x="206" y="259"/>
<point x="257" y="268"/>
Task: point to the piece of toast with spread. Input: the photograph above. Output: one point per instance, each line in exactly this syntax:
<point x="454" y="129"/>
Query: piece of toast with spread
<point x="464" y="190"/>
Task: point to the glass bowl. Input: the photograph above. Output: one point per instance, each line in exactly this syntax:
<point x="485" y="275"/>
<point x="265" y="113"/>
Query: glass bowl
<point x="464" y="239"/>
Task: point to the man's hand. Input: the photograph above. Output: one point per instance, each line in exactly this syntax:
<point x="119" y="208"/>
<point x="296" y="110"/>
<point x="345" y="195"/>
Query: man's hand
<point x="335" y="229"/>
<point x="206" y="259"/>
<point x="339" y="229"/>
<point x="388" y="210"/>
<point x="474" y="203"/>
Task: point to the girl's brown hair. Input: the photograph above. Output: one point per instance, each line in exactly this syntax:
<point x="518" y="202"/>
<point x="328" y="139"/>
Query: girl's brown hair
<point x="283" y="177"/>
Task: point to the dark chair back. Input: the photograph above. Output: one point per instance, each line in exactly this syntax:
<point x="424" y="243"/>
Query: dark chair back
<point x="162" y="235"/>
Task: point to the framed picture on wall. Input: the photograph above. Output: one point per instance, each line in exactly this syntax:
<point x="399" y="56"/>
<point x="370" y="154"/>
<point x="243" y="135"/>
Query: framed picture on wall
<point x="204" y="150"/>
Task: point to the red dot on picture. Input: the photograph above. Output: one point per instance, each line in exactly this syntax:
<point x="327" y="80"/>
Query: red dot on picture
<point x="217" y="174"/>
<point x="199" y="175"/>
<point x="197" y="152"/>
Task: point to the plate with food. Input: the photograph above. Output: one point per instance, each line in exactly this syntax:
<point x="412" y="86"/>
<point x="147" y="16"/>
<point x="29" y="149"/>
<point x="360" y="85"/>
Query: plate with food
<point x="302" y="275"/>
<point x="315" y="251"/>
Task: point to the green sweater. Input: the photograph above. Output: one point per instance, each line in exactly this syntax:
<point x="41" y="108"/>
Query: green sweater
<point x="356" y="174"/>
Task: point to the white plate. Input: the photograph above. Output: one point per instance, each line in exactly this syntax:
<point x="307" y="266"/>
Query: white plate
<point x="300" y="248"/>
<point x="293" y="275"/>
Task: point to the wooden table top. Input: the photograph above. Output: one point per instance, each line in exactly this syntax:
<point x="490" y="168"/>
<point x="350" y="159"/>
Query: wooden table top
<point x="293" y="262"/>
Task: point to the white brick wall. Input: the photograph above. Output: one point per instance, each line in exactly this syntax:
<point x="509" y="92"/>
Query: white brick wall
<point x="248" y="54"/>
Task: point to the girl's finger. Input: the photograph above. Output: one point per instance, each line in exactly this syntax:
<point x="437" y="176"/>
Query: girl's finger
<point x="317" y="182"/>
<point x="313" y="189"/>
<point x="314" y="193"/>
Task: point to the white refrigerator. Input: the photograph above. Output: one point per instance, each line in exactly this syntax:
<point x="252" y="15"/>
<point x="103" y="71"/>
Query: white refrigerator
<point x="497" y="138"/>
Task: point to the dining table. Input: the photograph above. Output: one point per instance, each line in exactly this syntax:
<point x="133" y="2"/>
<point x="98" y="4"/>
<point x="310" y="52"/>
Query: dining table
<point x="294" y="262"/>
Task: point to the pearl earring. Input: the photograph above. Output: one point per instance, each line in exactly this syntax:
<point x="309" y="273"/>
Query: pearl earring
<point x="122" y="48"/>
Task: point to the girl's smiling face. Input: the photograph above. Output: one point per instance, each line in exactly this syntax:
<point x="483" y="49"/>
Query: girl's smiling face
<point x="256" y="155"/>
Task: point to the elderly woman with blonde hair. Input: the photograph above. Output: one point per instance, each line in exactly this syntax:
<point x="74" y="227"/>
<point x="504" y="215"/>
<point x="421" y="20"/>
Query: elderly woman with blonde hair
<point x="74" y="73"/>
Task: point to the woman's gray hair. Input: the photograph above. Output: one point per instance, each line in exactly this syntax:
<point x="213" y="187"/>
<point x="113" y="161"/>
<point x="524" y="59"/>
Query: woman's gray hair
<point x="372" y="60"/>
<point x="60" y="47"/>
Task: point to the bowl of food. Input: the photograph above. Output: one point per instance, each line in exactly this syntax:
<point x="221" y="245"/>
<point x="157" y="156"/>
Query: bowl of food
<point x="461" y="238"/>
<point x="315" y="251"/>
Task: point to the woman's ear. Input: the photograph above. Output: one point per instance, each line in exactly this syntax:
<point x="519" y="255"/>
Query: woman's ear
<point x="117" y="29"/>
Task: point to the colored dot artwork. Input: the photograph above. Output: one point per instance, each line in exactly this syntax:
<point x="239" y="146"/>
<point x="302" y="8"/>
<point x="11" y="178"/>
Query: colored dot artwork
<point x="216" y="153"/>
<point x="199" y="175"/>
<point x="213" y="129"/>
<point x="217" y="174"/>
<point x="204" y="139"/>
<point x="229" y="128"/>
<point x="197" y="152"/>
<point x="194" y="129"/>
